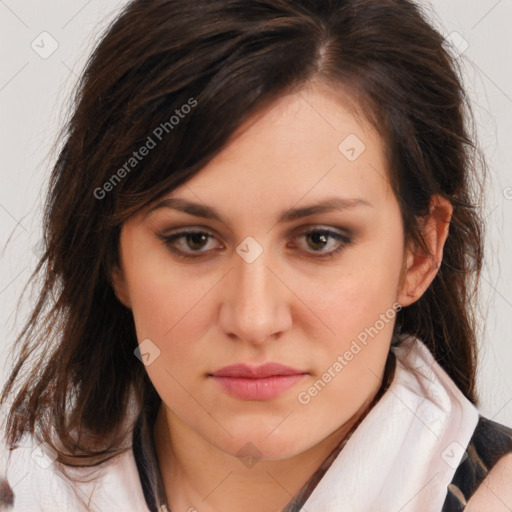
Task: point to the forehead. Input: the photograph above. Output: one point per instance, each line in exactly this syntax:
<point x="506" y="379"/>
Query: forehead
<point x="303" y="148"/>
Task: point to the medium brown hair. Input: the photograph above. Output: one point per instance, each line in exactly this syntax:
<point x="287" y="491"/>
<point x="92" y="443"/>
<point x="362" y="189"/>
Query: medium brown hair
<point x="75" y="364"/>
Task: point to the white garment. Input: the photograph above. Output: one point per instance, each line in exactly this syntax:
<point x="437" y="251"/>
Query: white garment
<point x="401" y="458"/>
<point x="405" y="452"/>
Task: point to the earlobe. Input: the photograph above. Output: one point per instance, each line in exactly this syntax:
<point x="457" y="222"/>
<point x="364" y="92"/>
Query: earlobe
<point x="119" y="286"/>
<point x="422" y="266"/>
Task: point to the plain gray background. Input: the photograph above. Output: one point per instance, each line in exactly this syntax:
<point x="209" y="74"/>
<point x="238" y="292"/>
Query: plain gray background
<point x="43" y="49"/>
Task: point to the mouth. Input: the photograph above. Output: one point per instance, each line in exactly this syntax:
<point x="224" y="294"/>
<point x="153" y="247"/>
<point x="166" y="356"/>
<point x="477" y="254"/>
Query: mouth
<point x="257" y="382"/>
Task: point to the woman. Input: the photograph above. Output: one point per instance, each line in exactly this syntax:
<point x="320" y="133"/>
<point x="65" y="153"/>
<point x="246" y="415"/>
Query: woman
<point x="263" y="246"/>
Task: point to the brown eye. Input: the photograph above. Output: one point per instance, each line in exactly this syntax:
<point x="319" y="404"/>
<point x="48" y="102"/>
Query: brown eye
<point x="324" y="242"/>
<point x="196" y="241"/>
<point x="188" y="244"/>
<point x="318" y="239"/>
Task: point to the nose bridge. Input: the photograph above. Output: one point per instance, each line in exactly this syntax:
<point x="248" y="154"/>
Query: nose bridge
<point x="256" y="308"/>
<point x="254" y="282"/>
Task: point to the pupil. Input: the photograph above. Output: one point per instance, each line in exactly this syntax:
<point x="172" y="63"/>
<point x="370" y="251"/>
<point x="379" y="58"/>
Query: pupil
<point x="318" y="238"/>
<point x="196" y="238"/>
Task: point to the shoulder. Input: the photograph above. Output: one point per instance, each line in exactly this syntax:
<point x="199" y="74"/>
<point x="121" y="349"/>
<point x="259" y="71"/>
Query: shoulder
<point x="485" y="474"/>
<point x="494" y="494"/>
<point x="28" y="480"/>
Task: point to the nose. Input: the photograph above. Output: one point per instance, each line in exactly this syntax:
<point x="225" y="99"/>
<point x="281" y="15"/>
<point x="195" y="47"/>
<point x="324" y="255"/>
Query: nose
<point x="256" y="303"/>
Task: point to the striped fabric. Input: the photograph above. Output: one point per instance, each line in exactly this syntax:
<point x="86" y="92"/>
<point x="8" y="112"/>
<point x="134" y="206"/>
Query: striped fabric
<point x="489" y="443"/>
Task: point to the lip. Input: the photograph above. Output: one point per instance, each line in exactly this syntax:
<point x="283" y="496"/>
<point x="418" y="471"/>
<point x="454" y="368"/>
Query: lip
<point x="257" y="382"/>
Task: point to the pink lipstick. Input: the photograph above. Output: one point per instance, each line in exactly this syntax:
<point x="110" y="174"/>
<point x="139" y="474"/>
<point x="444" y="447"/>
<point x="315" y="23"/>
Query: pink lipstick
<point x="257" y="382"/>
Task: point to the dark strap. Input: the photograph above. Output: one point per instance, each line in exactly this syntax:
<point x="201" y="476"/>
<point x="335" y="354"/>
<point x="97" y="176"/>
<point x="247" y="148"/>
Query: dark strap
<point x="490" y="442"/>
<point x="146" y="460"/>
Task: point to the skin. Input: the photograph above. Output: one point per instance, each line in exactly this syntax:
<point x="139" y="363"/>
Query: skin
<point x="289" y="305"/>
<point x="495" y="492"/>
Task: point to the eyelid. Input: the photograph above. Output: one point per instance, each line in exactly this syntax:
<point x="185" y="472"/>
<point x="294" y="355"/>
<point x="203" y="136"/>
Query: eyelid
<point x="321" y="227"/>
<point x="187" y="228"/>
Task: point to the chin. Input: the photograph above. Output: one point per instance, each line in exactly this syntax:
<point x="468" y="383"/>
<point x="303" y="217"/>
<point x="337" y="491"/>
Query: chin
<point x="252" y="445"/>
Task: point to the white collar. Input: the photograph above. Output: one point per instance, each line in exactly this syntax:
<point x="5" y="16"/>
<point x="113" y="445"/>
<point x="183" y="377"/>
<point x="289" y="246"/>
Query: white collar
<point x="405" y="452"/>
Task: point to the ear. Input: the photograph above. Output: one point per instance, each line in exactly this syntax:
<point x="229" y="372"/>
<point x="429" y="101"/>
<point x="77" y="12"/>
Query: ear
<point x="120" y="287"/>
<point x="420" y="268"/>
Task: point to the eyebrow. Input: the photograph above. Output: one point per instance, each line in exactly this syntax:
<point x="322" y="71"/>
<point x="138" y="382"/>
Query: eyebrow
<point x="289" y="215"/>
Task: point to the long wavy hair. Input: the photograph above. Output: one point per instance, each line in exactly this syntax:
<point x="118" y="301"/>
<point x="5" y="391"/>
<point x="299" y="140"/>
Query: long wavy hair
<point x="74" y="365"/>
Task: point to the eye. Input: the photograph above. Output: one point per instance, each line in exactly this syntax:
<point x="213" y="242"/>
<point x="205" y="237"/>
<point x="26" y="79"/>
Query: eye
<point x="188" y="244"/>
<point x="324" y="241"/>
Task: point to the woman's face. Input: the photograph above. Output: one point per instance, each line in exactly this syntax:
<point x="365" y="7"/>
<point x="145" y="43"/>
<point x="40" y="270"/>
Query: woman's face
<point x="274" y="277"/>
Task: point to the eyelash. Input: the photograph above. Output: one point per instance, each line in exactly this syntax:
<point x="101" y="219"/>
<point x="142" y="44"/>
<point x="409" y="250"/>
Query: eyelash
<point x="169" y="240"/>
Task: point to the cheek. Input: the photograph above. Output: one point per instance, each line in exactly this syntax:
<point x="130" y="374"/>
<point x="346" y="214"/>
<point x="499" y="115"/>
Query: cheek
<point x="174" y="306"/>
<point x="353" y="295"/>
<point x="349" y="362"/>
<point x="168" y="306"/>
<point x="357" y="301"/>
<point x="164" y="294"/>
